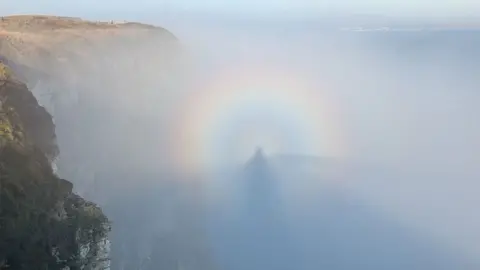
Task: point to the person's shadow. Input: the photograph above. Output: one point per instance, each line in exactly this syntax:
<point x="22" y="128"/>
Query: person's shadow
<point x="258" y="236"/>
<point x="338" y="232"/>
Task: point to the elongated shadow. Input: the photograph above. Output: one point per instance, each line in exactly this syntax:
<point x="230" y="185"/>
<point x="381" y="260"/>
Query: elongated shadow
<point x="336" y="232"/>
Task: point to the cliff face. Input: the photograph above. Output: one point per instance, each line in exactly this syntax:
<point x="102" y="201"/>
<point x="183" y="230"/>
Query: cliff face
<point x="106" y="86"/>
<point x="43" y="225"/>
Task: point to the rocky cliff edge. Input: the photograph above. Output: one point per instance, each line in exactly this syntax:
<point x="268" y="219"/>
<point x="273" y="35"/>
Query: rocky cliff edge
<point x="43" y="225"/>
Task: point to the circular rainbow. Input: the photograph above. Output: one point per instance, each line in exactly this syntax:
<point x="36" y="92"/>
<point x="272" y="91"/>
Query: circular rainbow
<point x="227" y="116"/>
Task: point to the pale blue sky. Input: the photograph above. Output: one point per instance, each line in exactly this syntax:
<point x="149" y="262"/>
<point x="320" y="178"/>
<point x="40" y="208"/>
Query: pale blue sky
<point x="387" y="7"/>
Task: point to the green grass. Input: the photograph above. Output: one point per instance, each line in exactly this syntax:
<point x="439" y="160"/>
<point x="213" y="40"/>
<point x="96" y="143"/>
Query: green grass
<point x="5" y="72"/>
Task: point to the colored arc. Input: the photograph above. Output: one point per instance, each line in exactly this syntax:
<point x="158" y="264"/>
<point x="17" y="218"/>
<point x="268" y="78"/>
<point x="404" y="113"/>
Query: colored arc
<point x="237" y="110"/>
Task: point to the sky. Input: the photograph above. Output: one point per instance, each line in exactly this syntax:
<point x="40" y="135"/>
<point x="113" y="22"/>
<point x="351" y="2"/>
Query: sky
<point x="262" y="8"/>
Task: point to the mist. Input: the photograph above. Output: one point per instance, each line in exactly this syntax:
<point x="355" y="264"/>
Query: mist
<point x="392" y="186"/>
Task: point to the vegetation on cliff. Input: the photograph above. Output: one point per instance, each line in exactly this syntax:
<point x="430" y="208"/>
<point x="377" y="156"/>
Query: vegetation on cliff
<point x="43" y="225"/>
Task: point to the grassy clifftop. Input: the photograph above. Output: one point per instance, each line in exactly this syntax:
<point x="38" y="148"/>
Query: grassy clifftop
<point x="49" y="44"/>
<point x="47" y="23"/>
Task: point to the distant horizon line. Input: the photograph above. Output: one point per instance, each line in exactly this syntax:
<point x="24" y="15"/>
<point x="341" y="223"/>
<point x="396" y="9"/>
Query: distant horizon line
<point x="239" y="16"/>
<point x="340" y="22"/>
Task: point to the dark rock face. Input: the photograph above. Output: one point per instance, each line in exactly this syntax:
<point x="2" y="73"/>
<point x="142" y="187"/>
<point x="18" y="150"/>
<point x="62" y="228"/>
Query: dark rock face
<point x="36" y="121"/>
<point x="43" y="225"/>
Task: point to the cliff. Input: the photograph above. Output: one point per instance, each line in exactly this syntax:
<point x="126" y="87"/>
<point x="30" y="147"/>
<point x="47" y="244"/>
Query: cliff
<point x="43" y="224"/>
<point x="100" y="83"/>
<point x="86" y="74"/>
<point x="62" y="48"/>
